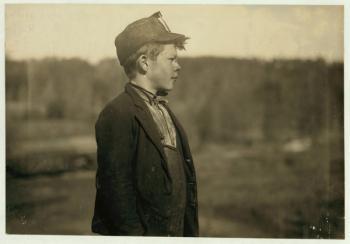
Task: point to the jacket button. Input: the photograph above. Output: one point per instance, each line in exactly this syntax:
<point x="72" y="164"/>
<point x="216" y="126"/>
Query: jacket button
<point x="188" y="160"/>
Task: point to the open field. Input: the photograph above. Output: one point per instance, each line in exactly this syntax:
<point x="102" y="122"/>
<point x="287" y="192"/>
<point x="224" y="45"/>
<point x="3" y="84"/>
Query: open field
<point x="256" y="191"/>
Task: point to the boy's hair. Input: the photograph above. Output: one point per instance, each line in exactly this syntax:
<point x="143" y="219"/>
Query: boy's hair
<point x="152" y="50"/>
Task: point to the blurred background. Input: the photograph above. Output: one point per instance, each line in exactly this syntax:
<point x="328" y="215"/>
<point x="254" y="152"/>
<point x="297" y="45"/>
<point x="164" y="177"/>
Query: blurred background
<point x="260" y="96"/>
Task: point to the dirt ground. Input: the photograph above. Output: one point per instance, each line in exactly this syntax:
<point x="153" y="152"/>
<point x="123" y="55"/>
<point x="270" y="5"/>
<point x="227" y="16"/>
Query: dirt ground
<point x="243" y="192"/>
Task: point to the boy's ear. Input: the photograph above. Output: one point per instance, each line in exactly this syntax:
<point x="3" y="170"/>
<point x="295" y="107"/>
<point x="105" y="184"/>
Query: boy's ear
<point x="142" y="64"/>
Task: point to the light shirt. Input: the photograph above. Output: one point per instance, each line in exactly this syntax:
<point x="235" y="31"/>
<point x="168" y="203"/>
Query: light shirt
<point x="160" y="115"/>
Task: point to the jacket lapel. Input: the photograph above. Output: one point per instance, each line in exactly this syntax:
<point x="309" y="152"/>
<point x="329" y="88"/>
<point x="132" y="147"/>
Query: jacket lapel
<point x="144" y="116"/>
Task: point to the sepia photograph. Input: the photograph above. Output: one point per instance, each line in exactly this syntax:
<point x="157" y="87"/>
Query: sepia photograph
<point x="174" y="120"/>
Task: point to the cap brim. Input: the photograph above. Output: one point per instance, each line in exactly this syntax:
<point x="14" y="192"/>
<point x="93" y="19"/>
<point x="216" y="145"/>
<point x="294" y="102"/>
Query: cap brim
<point x="170" y="36"/>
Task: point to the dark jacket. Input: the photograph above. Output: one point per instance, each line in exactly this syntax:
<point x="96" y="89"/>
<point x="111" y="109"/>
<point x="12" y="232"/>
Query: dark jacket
<point x="133" y="183"/>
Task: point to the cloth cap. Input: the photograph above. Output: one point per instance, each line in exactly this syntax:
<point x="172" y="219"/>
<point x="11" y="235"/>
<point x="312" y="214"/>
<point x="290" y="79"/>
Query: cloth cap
<point x="142" y="31"/>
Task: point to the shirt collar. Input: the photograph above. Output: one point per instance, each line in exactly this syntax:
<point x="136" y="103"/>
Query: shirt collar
<point x="148" y="95"/>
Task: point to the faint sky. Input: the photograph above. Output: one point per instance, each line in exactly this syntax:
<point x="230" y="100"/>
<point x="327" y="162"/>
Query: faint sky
<point x="88" y="30"/>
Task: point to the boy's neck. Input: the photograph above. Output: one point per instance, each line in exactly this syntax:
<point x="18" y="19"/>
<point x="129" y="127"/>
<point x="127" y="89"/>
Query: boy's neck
<point x="144" y="83"/>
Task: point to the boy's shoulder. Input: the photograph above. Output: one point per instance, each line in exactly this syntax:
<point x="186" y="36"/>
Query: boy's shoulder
<point x="119" y="106"/>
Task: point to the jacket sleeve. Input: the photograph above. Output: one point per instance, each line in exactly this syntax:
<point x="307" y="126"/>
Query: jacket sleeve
<point x="116" y="145"/>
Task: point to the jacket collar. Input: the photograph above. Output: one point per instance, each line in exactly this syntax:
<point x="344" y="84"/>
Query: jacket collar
<point x="135" y="97"/>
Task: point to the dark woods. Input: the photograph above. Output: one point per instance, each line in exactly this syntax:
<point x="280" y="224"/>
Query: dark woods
<point x="219" y="99"/>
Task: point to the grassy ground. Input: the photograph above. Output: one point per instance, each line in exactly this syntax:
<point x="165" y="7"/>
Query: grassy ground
<point x="257" y="191"/>
<point x="263" y="192"/>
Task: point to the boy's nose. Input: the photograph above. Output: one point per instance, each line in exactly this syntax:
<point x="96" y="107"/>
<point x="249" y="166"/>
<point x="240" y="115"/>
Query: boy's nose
<point x="177" y="67"/>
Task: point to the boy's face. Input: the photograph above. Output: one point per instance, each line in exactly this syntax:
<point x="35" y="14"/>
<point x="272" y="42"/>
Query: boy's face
<point x="163" y="71"/>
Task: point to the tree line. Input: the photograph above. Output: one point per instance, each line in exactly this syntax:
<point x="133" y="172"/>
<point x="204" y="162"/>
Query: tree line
<point x="219" y="99"/>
